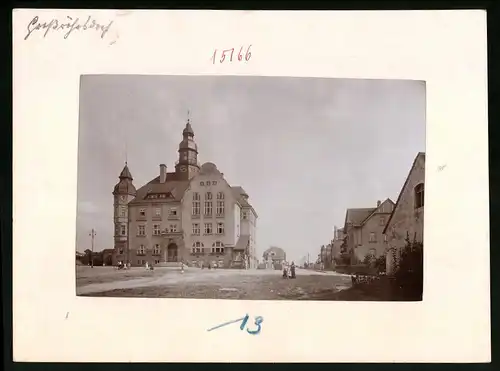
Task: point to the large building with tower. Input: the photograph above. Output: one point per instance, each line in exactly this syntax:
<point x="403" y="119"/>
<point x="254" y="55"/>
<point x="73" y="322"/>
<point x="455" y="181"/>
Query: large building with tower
<point x="191" y="215"/>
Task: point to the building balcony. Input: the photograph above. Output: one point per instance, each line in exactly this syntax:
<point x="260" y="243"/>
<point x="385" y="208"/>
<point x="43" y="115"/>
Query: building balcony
<point x="173" y="217"/>
<point x="206" y="216"/>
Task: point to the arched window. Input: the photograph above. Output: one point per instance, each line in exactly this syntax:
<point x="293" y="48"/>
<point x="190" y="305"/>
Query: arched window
<point x="208" y="195"/>
<point x="197" y="247"/>
<point x="419" y="196"/>
<point x="220" y="195"/>
<point x="218" y="247"/>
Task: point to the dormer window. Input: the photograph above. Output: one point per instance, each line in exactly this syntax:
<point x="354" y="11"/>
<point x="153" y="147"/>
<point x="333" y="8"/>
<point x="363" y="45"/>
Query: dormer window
<point x="419" y="196"/>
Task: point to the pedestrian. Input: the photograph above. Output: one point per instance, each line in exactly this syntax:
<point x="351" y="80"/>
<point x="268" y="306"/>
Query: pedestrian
<point x="285" y="271"/>
<point x="292" y="270"/>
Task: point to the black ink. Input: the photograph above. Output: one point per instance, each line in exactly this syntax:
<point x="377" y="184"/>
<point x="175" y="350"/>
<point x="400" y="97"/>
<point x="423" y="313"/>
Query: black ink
<point x="33" y="22"/>
<point x="71" y="25"/>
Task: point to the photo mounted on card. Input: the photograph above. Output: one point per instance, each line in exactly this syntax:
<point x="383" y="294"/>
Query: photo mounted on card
<point x="226" y="180"/>
<point x="260" y="188"/>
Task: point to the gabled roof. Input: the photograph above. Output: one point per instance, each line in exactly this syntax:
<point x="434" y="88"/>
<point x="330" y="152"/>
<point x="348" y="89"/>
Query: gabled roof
<point x="419" y="155"/>
<point x="376" y="209"/>
<point x="356" y="216"/>
<point x="173" y="186"/>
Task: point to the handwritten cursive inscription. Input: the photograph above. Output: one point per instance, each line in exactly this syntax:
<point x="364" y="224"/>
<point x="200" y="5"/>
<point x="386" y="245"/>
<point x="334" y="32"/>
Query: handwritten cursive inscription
<point x="258" y="322"/>
<point x="228" y="54"/>
<point x="67" y="26"/>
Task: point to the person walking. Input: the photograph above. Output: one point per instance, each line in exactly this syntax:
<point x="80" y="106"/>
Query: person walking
<point x="292" y="270"/>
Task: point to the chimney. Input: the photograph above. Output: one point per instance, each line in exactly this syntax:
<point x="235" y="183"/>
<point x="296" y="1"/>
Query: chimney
<point x="163" y="173"/>
<point x="378" y="203"/>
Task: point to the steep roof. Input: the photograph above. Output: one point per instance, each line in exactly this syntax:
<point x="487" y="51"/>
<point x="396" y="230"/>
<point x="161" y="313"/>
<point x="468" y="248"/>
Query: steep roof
<point x="356" y="216"/>
<point x="125" y="174"/>
<point x="376" y="209"/>
<point x="419" y="155"/>
<point x="171" y="186"/>
<point x="242" y="242"/>
<point x="125" y="185"/>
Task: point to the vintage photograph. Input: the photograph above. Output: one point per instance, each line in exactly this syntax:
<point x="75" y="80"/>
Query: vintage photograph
<point x="243" y="187"/>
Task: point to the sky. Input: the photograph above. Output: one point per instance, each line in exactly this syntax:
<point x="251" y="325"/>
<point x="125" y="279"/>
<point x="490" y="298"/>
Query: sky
<point x="304" y="149"/>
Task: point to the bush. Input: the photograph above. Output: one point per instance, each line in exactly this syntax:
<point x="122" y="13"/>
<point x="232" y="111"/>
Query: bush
<point x="410" y="273"/>
<point x="380" y="263"/>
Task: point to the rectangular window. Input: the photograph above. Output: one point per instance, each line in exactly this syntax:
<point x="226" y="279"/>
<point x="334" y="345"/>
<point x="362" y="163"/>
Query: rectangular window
<point x="244" y="215"/>
<point x="141" y="250"/>
<point x="158" y="211"/>
<point x="173" y="228"/>
<point x="208" y="228"/>
<point x="123" y="211"/>
<point x="141" y="230"/>
<point x="142" y="213"/>
<point x="156" y="249"/>
<point x="123" y="230"/>
<point x="120" y="251"/>
<point x="208" y="195"/>
<point x="172" y="211"/>
<point x="156" y="230"/>
<point x="382" y="221"/>
<point x="157" y="261"/>
<point x="385" y="238"/>
<point x="196" y="203"/>
<point x="196" y="228"/>
<point x="220" y="228"/>
<point x="220" y="208"/>
<point x="373" y="237"/>
<point x="208" y="208"/>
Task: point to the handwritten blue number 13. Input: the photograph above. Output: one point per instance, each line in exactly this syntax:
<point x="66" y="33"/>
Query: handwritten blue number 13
<point x="258" y="321"/>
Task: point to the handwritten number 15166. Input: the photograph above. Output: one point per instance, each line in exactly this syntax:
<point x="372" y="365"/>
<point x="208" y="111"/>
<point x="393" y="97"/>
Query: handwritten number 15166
<point x="228" y="55"/>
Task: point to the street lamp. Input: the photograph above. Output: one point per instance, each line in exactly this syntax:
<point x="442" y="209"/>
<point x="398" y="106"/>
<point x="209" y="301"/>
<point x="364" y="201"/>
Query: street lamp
<point x="92" y="234"/>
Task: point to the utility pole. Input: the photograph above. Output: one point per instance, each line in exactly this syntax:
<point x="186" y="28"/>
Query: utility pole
<point x="92" y="234"/>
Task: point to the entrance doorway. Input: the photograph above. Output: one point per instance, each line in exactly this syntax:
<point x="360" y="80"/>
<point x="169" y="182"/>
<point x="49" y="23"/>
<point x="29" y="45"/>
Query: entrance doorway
<point x="172" y="253"/>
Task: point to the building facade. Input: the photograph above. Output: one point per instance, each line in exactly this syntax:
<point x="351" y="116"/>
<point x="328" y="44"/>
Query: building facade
<point x="407" y="218"/>
<point x="190" y="215"/>
<point x="336" y="244"/>
<point x="363" y="230"/>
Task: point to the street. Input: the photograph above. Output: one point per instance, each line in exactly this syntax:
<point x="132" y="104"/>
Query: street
<point x="209" y="284"/>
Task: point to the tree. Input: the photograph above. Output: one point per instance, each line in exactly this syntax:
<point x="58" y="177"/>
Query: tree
<point x="410" y="272"/>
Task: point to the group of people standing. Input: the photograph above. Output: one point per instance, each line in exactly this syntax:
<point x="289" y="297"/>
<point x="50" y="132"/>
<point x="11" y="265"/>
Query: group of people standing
<point x="288" y="271"/>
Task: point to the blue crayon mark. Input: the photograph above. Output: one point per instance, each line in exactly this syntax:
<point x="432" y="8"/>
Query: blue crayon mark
<point x="258" y="321"/>
<point x="226" y="323"/>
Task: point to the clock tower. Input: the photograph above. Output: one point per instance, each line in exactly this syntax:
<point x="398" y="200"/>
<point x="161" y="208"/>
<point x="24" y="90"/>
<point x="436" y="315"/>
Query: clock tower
<point x="123" y="193"/>
<point x="187" y="166"/>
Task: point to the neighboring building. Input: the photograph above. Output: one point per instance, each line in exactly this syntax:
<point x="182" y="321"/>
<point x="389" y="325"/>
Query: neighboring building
<point x="407" y="218"/>
<point x="276" y="255"/>
<point x="363" y="230"/>
<point x="191" y="214"/>
<point x="338" y="240"/>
